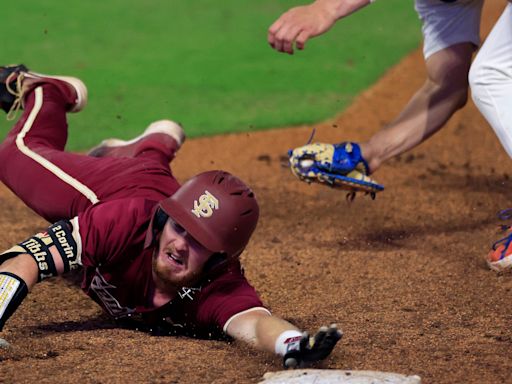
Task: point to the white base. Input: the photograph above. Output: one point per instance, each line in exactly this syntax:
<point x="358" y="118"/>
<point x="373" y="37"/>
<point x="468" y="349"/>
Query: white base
<point x="329" y="376"/>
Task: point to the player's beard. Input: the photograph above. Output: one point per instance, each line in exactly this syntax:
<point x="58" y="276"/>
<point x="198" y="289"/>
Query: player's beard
<point x="170" y="280"/>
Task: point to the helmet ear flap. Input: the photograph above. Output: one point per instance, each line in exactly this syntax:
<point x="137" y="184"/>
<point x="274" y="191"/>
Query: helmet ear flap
<point x="159" y="220"/>
<point x="156" y="227"/>
<point x="215" y="260"/>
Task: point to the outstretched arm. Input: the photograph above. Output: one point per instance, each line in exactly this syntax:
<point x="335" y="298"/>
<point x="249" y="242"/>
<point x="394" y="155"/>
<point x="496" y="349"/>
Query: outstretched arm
<point x="275" y="335"/>
<point x="299" y="24"/>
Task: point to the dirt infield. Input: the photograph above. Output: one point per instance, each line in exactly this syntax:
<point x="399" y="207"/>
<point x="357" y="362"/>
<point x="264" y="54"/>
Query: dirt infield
<point x="403" y="275"/>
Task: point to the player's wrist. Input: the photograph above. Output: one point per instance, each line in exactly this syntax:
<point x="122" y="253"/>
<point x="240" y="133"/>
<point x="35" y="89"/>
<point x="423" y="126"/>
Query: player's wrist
<point x="287" y="341"/>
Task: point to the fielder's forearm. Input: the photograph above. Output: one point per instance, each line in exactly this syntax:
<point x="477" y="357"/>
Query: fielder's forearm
<point x="444" y="91"/>
<point x="424" y="115"/>
<point x="342" y="8"/>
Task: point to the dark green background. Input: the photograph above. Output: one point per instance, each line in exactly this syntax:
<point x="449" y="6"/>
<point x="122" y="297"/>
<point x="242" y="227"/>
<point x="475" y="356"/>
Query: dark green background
<point x="203" y="63"/>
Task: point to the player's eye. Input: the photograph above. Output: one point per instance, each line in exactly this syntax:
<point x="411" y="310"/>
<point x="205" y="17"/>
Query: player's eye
<point x="183" y="232"/>
<point x="178" y="228"/>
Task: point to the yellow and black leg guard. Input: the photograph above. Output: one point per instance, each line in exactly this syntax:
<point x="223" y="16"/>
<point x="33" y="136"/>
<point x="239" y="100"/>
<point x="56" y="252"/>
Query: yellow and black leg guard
<point x="38" y="246"/>
<point x="62" y="237"/>
<point x="12" y="292"/>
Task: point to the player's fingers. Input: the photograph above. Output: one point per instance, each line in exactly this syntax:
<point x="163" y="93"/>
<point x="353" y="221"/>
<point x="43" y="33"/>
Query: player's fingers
<point x="273" y="30"/>
<point x="276" y="41"/>
<point x="325" y="341"/>
<point x="288" y="44"/>
<point x="319" y="337"/>
<point x="281" y="39"/>
<point x="304" y="341"/>
<point x="301" y="39"/>
<point x="275" y="26"/>
<point x="326" y="338"/>
<point x="328" y="343"/>
<point x="334" y="332"/>
<point x="287" y="36"/>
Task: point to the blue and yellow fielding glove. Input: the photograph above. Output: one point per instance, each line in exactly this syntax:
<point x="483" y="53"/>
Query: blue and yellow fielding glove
<point x="337" y="165"/>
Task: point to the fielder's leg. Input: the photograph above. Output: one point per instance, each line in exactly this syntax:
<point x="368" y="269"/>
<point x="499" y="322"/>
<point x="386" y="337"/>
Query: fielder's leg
<point x="490" y="79"/>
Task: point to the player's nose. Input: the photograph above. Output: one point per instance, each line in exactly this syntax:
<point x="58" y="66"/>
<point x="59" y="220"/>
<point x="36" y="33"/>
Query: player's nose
<point x="180" y="242"/>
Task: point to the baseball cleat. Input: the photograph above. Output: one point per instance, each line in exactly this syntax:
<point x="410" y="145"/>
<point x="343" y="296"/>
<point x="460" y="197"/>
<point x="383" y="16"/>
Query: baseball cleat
<point x="12" y="90"/>
<point x="156" y="131"/>
<point x="9" y="87"/>
<point x="500" y="256"/>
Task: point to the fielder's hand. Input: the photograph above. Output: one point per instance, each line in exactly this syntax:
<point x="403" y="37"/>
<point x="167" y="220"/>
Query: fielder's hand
<point x="337" y="165"/>
<point x="311" y="349"/>
<point x="298" y="25"/>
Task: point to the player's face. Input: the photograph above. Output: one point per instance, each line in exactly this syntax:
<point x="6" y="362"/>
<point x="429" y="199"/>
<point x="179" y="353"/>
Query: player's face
<point x="180" y="258"/>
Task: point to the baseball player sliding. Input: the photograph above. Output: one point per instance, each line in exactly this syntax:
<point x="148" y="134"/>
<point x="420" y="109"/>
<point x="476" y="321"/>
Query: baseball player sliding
<point x="451" y="31"/>
<point x="156" y="256"/>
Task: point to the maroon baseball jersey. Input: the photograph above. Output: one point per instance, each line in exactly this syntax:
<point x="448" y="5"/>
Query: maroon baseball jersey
<point x="118" y="272"/>
<point x="110" y="202"/>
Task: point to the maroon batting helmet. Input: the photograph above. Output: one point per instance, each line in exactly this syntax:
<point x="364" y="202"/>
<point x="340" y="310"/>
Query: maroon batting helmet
<point x="217" y="209"/>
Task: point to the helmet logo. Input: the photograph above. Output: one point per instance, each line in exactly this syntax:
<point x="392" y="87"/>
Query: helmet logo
<point x="207" y="203"/>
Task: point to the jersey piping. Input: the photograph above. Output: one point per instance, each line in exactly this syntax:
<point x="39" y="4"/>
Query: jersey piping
<point x="20" y="143"/>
